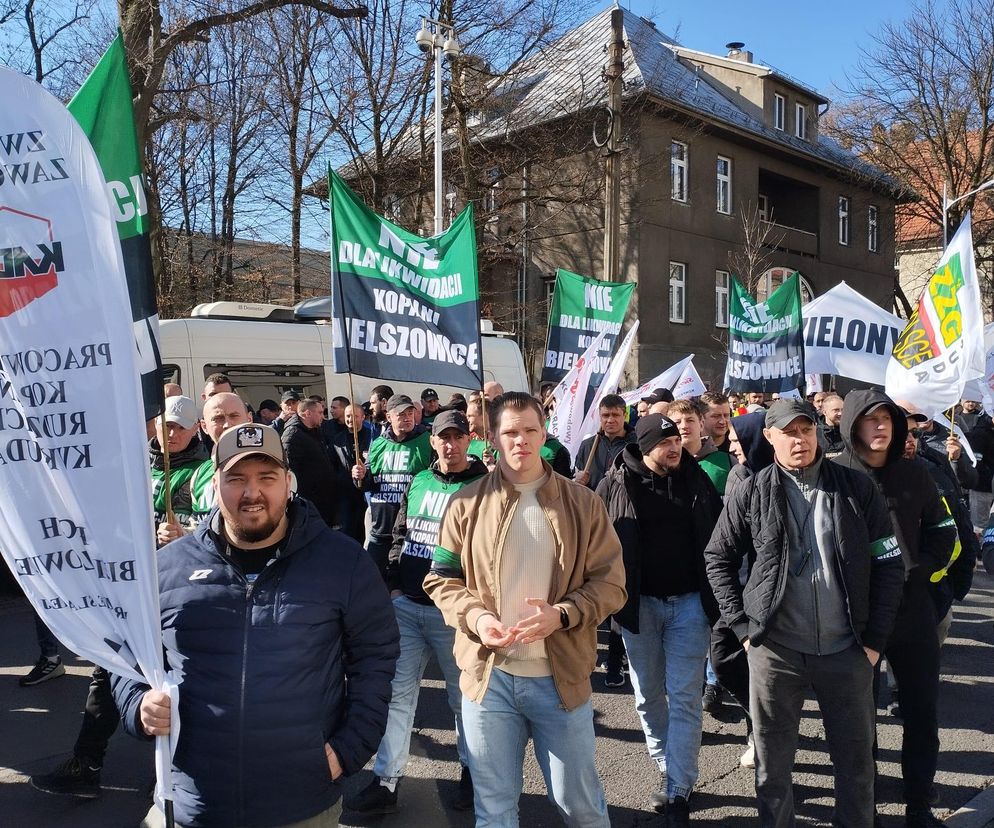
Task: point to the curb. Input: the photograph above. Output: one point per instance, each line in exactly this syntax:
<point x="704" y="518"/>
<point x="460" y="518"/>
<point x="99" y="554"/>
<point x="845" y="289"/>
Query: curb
<point x="977" y="813"/>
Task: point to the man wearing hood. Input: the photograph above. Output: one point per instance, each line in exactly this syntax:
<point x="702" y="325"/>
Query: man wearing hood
<point x="664" y="508"/>
<point x="816" y="611"/>
<point x="874" y="429"/>
<point x="422" y="628"/>
<point x="399" y="453"/>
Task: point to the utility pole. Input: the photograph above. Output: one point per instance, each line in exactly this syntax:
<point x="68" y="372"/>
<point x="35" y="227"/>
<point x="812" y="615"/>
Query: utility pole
<point x="613" y="72"/>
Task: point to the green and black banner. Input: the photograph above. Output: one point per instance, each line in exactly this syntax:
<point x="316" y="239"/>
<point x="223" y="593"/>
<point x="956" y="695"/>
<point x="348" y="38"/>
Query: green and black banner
<point x="404" y="307"/>
<point x="103" y="108"/>
<point x="581" y="308"/>
<point x="765" y="340"/>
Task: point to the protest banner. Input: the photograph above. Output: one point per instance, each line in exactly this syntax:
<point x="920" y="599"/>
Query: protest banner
<point x="941" y="348"/>
<point x="847" y="335"/>
<point x="609" y="385"/>
<point x="566" y="422"/>
<point x="76" y="523"/>
<point x="765" y="345"/>
<point x="103" y="108"/>
<point x="581" y="309"/>
<point x="682" y="379"/>
<point x="404" y="307"/>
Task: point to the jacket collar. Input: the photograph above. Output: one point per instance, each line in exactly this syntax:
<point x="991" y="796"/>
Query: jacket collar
<point x="548" y="494"/>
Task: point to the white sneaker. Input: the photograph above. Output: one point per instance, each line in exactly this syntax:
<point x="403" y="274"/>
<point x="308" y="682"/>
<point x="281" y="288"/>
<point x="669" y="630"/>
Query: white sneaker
<point x="748" y="759"/>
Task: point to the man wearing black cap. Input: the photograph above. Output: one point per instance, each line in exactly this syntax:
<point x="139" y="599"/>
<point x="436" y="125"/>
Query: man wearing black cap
<point x="656" y="403"/>
<point x="283" y="639"/>
<point x="874" y="429"/>
<point x="288" y="408"/>
<point x="422" y="628"/>
<point x="816" y="612"/>
<point x="664" y="508"/>
<point x="399" y="453"/>
<point x="429" y="400"/>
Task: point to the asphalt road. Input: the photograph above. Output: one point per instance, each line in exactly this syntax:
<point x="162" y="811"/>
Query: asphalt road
<point x="38" y="726"/>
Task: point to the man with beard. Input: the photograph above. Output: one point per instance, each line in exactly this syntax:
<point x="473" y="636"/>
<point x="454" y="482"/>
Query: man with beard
<point x="664" y="509"/>
<point x="395" y="457"/>
<point x="831" y="432"/>
<point x="279" y="614"/>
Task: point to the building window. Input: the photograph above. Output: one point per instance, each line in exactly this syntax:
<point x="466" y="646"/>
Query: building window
<point x="873" y="229"/>
<point x="844" y="220"/>
<point x="779" y="112"/>
<point x="678" y="292"/>
<point x="764" y="208"/>
<point x="678" y="170"/>
<point x="721" y="298"/>
<point x="724" y="185"/>
<point x="801" y="121"/>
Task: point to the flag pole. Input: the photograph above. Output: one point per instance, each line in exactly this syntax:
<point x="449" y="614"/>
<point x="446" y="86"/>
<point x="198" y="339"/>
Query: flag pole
<point x="593" y="451"/>
<point x="355" y="430"/>
<point x="166" y="486"/>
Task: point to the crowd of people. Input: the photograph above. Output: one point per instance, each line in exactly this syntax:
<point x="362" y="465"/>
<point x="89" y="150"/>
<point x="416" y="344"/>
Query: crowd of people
<point x="314" y="555"/>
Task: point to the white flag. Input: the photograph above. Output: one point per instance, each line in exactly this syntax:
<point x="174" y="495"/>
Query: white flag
<point x="609" y="385"/>
<point x="566" y="422"/>
<point x="682" y="379"/>
<point x="942" y="347"/>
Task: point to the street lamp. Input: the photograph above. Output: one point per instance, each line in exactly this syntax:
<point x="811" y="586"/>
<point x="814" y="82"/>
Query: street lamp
<point x="947" y="203"/>
<point x="441" y="39"/>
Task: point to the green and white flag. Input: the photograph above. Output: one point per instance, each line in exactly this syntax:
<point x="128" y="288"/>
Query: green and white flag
<point x="103" y="108"/>
<point x="404" y="307"/>
<point x="765" y="340"/>
<point x="581" y="309"/>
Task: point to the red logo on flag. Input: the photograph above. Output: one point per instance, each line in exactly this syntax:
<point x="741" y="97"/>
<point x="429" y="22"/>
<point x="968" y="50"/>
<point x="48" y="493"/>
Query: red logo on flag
<point x="30" y="259"/>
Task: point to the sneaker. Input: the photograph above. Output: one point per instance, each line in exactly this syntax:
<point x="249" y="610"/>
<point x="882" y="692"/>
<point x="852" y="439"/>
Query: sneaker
<point x="921" y="818"/>
<point x="614" y="678"/>
<point x="660" y="799"/>
<point x="71" y="778"/>
<point x="464" y="798"/>
<point x="44" y="670"/>
<point x="678" y="813"/>
<point x="375" y="798"/>
<point x="748" y="759"/>
<point x="711" y="699"/>
<point x="894" y="708"/>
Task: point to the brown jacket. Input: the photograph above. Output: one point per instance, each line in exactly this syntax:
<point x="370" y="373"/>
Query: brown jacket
<point x="588" y="581"/>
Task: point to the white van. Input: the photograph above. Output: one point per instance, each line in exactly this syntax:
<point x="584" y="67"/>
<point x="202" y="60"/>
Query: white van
<point x="269" y="349"/>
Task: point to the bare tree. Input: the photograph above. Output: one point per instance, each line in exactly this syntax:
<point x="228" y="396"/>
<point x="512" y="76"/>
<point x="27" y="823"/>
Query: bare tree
<point x="921" y="108"/>
<point x="755" y="253"/>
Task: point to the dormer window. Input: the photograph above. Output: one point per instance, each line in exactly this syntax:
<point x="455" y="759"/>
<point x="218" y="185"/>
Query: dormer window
<point x="779" y="112"/>
<point x="801" y="121"/>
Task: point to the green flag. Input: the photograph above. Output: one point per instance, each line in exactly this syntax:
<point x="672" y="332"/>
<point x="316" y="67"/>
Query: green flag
<point x="404" y="307"/>
<point x="765" y="340"/>
<point x="103" y="108"/>
<point x="581" y="308"/>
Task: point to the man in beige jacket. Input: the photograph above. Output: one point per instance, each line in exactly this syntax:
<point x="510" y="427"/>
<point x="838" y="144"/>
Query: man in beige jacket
<point x="528" y="564"/>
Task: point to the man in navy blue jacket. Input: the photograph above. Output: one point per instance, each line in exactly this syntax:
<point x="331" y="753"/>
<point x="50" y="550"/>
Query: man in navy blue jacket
<point x="266" y="612"/>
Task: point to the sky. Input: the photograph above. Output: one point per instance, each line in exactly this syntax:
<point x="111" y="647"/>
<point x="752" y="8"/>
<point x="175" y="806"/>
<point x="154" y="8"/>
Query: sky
<point x="815" y="42"/>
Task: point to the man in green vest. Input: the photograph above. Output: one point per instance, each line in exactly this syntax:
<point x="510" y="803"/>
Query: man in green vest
<point x="221" y="412"/>
<point x="714" y="463"/>
<point x="395" y="457"/>
<point x="422" y="629"/>
<point x="186" y="454"/>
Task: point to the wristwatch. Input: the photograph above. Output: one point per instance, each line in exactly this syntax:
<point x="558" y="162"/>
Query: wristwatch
<point x="564" y="617"/>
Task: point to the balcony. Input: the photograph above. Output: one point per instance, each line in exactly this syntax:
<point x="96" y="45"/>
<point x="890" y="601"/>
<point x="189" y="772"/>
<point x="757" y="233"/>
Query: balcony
<point x="789" y="239"/>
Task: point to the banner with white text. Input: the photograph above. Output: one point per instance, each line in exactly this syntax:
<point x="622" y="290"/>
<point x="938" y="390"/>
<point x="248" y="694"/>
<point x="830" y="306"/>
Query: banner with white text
<point x="581" y="309"/>
<point x="765" y="343"/>
<point x="75" y="498"/>
<point x="404" y="307"/>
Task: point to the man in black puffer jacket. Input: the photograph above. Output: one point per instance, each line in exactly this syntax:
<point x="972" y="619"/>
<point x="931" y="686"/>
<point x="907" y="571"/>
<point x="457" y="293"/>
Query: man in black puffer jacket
<point x="816" y="612"/>
<point x="664" y="508"/>
<point x="875" y="428"/>
<point x="266" y="614"/>
<point x="309" y="460"/>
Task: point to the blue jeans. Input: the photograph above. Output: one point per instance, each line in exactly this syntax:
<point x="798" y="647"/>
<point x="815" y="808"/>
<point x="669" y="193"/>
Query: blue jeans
<point x="497" y="731"/>
<point x="710" y="675"/>
<point x="422" y="632"/>
<point x="666" y="661"/>
<point x="47" y="643"/>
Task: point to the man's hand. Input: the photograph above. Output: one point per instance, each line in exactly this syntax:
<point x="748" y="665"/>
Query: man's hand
<point x="953" y="447"/>
<point x="153" y="713"/>
<point x="488" y="459"/>
<point x="873" y="656"/>
<point x="168" y="532"/>
<point x="396" y="593"/>
<point x="333" y="764"/>
<point x="582" y="477"/>
<point x="358" y="471"/>
<point x="545" y="621"/>
<point x="492" y="633"/>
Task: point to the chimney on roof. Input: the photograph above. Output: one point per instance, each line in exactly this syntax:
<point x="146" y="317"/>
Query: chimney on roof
<point x="737" y="52"/>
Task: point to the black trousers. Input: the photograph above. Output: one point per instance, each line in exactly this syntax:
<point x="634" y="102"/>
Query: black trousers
<point x="731" y="664"/>
<point x="100" y="720"/>
<point x="913" y="654"/>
